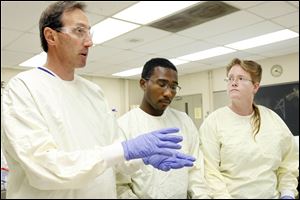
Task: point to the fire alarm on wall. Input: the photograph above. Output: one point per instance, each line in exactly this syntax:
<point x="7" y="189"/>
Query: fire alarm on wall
<point x="276" y="70"/>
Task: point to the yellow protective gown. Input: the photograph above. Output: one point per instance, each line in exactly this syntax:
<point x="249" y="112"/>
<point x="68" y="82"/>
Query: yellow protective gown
<point x="237" y="166"/>
<point x="149" y="182"/>
<point x="58" y="138"/>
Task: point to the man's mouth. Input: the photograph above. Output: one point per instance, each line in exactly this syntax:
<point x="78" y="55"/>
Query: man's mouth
<point x="165" y="102"/>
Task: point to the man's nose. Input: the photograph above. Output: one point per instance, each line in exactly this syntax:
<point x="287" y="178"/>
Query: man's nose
<point x="168" y="92"/>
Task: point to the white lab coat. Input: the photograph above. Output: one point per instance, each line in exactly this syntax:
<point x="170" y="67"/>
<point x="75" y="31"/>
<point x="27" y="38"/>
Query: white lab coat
<point x="238" y="166"/>
<point x="59" y="138"/>
<point x="152" y="183"/>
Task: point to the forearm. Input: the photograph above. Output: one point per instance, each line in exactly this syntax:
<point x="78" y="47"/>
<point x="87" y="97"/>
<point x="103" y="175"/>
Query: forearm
<point x="51" y="169"/>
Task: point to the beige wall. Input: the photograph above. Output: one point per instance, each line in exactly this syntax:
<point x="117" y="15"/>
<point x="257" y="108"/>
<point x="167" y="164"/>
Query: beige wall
<point x="122" y="93"/>
<point x="135" y="93"/>
<point x="114" y="91"/>
<point x="7" y="74"/>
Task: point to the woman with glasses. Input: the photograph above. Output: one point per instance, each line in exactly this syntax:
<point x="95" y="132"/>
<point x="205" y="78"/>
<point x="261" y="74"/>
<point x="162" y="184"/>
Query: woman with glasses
<point x="249" y="151"/>
<point x="159" y="82"/>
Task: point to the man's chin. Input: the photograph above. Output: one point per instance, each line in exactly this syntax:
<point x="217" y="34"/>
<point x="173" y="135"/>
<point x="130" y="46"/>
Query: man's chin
<point x="163" y="107"/>
<point x="81" y="66"/>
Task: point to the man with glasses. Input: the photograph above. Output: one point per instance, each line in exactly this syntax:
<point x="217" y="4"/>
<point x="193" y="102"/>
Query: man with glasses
<point x="159" y="81"/>
<point x="60" y="138"/>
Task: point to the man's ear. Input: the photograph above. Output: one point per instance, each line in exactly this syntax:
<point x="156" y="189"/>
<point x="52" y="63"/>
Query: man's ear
<point x="50" y="35"/>
<point x="143" y="84"/>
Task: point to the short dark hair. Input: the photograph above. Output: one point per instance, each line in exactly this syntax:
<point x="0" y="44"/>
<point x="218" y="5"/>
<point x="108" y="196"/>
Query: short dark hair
<point x="51" y="17"/>
<point x="156" y="62"/>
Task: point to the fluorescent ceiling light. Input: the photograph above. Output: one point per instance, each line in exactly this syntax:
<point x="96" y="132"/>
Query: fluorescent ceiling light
<point x="135" y="71"/>
<point x="110" y="28"/>
<point x="178" y="62"/>
<point x="264" y="39"/>
<point x="130" y="72"/>
<point x="147" y="11"/>
<point x="36" y="61"/>
<point x="207" y="54"/>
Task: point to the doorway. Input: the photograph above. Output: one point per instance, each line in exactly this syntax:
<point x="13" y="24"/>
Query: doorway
<point x="191" y="105"/>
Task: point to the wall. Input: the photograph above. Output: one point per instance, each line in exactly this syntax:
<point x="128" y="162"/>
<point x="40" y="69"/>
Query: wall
<point x="7" y="74"/>
<point x="198" y="83"/>
<point x="114" y="91"/>
<point x="135" y="93"/>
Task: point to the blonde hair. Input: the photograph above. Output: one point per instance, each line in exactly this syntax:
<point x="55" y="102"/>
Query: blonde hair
<point x="255" y="71"/>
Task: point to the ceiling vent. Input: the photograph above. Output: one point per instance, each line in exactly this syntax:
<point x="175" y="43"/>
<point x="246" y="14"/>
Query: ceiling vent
<point x="193" y="16"/>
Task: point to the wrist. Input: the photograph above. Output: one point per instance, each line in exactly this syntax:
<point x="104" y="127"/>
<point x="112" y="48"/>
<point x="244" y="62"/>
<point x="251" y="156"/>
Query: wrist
<point x="146" y="160"/>
<point x="125" y="149"/>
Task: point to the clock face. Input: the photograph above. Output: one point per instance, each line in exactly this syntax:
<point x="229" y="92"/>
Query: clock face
<point x="276" y="70"/>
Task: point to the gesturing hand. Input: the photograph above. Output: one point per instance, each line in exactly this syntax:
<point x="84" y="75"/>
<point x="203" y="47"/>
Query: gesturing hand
<point x="156" y="142"/>
<point x="165" y="163"/>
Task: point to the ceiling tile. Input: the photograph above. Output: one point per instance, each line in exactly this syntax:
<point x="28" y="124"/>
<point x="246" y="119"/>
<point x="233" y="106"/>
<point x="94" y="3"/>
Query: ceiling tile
<point x="294" y="3"/>
<point x="187" y="49"/>
<point x="137" y="62"/>
<point x="99" y="52"/>
<point x="221" y="25"/>
<point x="191" y="68"/>
<point x="107" y="8"/>
<point x="244" y="56"/>
<point x="137" y="37"/>
<point x="165" y="43"/>
<point x="94" y="19"/>
<point x="268" y="50"/>
<point x="244" y="4"/>
<point x="288" y="20"/>
<point x="122" y="56"/>
<point x="14" y="16"/>
<point x="295" y="28"/>
<point x="93" y="68"/>
<point x="225" y="58"/>
<point x="35" y="29"/>
<point x="8" y="36"/>
<point x="273" y="9"/>
<point x="28" y="43"/>
<point x="13" y="58"/>
<point x="245" y="33"/>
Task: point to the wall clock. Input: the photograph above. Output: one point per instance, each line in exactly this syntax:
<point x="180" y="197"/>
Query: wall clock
<point x="276" y="70"/>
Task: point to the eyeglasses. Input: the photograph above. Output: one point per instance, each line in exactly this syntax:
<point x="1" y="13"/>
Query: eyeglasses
<point x="80" y="31"/>
<point x="238" y="79"/>
<point x="164" y="84"/>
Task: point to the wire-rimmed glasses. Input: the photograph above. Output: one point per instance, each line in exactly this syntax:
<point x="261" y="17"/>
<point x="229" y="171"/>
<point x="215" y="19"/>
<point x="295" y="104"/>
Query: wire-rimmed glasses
<point x="164" y="84"/>
<point x="237" y="79"/>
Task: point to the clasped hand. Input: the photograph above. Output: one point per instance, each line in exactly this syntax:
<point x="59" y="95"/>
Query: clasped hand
<point x="157" y="148"/>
